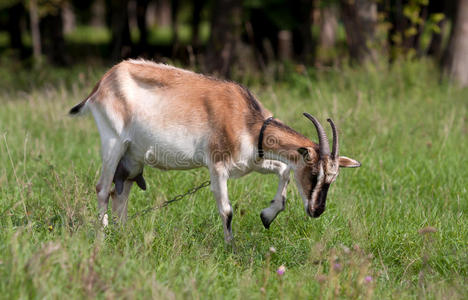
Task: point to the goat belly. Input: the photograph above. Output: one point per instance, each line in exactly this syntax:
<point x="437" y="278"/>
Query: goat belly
<point x="166" y="158"/>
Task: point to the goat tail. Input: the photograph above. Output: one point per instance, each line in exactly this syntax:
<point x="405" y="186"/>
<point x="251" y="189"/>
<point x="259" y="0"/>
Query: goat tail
<point x="80" y="108"/>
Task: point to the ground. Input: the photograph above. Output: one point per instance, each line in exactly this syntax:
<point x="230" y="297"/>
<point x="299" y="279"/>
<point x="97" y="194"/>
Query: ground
<point x="394" y="228"/>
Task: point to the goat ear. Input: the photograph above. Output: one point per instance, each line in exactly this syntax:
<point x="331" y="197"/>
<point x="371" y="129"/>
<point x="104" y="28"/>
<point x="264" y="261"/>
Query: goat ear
<point x="346" y="162"/>
<point x="304" y="152"/>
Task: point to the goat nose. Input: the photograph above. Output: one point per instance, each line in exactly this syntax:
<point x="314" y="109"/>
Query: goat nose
<point x="318" y="212"/>
<point x="315" y="212"/>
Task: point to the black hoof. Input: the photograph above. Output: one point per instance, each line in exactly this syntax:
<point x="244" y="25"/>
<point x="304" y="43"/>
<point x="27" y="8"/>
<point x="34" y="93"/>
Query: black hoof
<point x="265" y="221"/>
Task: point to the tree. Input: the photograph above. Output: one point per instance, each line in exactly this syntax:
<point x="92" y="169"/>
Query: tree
<point x="360" y="21"/>
<point x="263" y="32"/>
<point x="304" y="45"/>
<point x="328" y="22"/>
<point x="51" y="27"/>
<point x="225" y="34"/>
<point x="141" y="11"/>
<point x="121" y="44"/>
<point x="408" y="19"/>
<point x="175" y="26"/>
<point x="455" y="62"/>
<point x="196" y="17"/>
<point x="328" y="26"/>
<point x="35" y="32"/>
<point x="15" y="28"/>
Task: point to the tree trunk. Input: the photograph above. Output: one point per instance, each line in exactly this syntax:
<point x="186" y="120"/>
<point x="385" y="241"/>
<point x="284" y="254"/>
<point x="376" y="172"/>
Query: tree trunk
<point x="175" y="26"/>
<point x="360" y="20"/>
<point x="225" y="34"/>
<point x="456" y="55"/>
<point x="53" y="42"/>
<point x="263" y="33"/>
<point x="163" y="13"/>
<point x="68" y="17"/>
<point x="197" y="8"/>
<point x="121" y="44"/>
<point x="328" y="26"/>
<point x="304" y="44"/>
<point x="285" y="45"/>
<point x="98" y="13"/>
<point x="15" y="30"/>
<point x="141" y="10"/>
<point x="35" y="32"/>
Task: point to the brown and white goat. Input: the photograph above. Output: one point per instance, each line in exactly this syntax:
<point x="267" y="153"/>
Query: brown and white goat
<point x="169" y="118"/>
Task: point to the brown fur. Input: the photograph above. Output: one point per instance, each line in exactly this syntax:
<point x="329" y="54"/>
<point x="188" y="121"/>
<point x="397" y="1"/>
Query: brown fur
<point x="147" y="76"/>
<point x="227" y="107"/>
<point x="110" y="87"/>
<point x="280" y="137"/>
<point x="94" y="89"/>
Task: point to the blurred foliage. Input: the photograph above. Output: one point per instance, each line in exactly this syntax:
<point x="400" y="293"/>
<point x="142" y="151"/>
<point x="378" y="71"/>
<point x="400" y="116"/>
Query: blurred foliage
<point x="414" y="23"/>
<point x="49" y="7"/>
<point x="401" y="32"/>
<point x="8" y="3"/>
<point x="275" y="10"/>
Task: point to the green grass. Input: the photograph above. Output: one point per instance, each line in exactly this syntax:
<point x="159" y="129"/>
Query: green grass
<point x="408" y="130"/>
<point x="156" y="36"/>
<point x="89" y="35"/>
<point x="164" y="35"/>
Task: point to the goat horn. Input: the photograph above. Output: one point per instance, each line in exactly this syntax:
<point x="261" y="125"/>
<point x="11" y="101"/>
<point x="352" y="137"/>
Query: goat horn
<point x="324" y="147"/>
<point x="334" y="153"/>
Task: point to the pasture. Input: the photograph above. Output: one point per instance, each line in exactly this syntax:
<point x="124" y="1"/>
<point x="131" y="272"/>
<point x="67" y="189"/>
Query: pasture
<point x="395" y="228"/>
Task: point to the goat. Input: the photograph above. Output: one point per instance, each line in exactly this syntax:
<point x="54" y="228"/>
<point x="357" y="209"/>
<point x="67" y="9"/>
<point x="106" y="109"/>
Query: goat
<point x="169" y="118"/>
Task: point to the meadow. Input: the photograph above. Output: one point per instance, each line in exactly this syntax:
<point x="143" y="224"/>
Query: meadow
<point x="396" y="228"/>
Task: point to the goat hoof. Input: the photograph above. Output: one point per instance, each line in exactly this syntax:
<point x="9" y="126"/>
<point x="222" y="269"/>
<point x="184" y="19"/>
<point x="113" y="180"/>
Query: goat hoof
<point x="105" y="221"/>
<point x="266" y="221"/>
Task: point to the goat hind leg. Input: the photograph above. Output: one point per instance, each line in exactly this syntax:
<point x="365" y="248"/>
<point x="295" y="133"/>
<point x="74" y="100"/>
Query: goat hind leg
<point x="112" y="150"/>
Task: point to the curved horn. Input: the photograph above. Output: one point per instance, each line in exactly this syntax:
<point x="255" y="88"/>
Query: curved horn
<point x="324" y="147"/>
<point x="335" y="149"/>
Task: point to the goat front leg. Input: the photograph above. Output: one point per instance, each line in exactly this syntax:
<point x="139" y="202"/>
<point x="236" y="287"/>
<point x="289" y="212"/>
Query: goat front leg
<point x="277" y="205"/>
<point x="219" y="177"/>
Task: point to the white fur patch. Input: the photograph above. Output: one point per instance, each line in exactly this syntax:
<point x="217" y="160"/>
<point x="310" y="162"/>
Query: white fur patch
<point x="318" y="186"/>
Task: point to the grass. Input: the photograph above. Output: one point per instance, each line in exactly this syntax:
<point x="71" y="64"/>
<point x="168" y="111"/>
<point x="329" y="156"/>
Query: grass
<point x="394" y="228"/>
<point x="156" y="36"/>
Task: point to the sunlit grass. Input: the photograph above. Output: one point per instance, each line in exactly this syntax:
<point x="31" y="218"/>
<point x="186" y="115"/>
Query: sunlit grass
<point x="157" y="35"/>
<point x="408" y="130"/>
<point x="89" y="35"/>
<point x="164" y="35"/>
